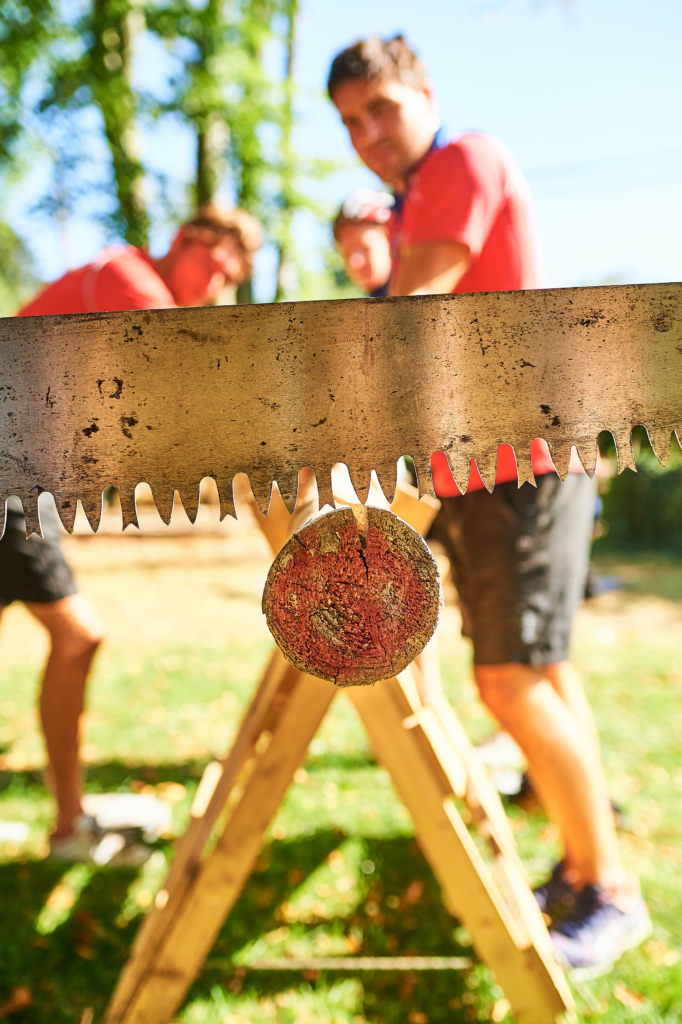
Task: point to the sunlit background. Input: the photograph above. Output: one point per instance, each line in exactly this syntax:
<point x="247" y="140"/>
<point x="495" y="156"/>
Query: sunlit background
<point x="587" y="95"/>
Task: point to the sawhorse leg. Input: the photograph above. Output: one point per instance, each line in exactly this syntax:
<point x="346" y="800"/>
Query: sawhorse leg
<point x="427" y="753"/>
<point x="201" y="891"/>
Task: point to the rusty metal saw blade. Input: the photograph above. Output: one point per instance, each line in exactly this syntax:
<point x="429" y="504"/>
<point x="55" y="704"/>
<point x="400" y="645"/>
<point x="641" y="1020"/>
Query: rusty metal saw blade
<point x="171" y="396"/>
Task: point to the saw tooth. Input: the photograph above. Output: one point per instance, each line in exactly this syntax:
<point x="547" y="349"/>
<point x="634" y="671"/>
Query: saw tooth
<point x="587" y="453"/>
<point x="660" y="439"/>
<point x="561" y="456"/>
<point x="261" y="488"/>
<point x="164" y="499"/>
<point x="92" y="507"/>
<point x="626" y="458"/>
<point x="360" y="478"/>
<point x="226" y="497"/>
<point x="32" y="516"/>
<point x="460" y="467"/>
<point x="67" y="508"/>
<point x="190" y="501"/>
<point x="324" y="487"/>
<point x="487" y="467"/>
<point x="387" y="475"/>
<point x="287" y="485"/>
<point x="128" y="507"/>
<point x="422" y="467"/>
<point x="524" y="465"/>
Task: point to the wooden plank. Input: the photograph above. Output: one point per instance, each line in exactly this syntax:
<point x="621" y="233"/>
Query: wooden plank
<point x="487" y="812"/>
<point x="219" y="879"/>
<point x="277" y="681"/>
<point x="535" y="988"/>
<point x="418" y="512"/>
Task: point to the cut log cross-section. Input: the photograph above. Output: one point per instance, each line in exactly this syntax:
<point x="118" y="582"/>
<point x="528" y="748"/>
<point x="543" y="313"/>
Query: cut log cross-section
<point x="353" y="596"/>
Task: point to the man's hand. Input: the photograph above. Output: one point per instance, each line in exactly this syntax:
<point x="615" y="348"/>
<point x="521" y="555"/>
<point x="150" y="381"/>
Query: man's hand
<point x="431" y="268"/>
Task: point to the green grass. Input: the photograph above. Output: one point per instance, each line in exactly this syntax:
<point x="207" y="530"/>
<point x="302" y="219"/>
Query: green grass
<point x="340" y="872"/>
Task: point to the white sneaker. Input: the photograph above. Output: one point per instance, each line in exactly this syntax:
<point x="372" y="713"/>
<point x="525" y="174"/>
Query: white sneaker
<point x="89" y="844"/>
<point x="78" y="845"/>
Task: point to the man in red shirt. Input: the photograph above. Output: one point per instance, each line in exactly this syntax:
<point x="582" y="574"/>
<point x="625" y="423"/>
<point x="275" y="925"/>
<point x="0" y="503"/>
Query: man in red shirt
<point x="213" y="250"/>
<point x="463" y="222"/>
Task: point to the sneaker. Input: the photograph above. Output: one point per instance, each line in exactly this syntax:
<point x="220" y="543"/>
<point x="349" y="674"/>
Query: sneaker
<point x="596" y="933"/>
<point x="78" y="845"/>
<point x="89" y="844"/>
<point x="555" y="897"/>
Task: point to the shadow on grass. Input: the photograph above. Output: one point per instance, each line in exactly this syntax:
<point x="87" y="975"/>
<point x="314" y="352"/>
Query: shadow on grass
<point x="77" y="965"/>
<point x="113" y="776"/>
<point x="402" y="914"/>
<point x="645" y="574"/>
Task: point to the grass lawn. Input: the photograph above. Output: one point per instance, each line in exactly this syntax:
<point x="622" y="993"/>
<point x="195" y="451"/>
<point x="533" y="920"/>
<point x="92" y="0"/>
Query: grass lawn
<point x="340" y="872"/>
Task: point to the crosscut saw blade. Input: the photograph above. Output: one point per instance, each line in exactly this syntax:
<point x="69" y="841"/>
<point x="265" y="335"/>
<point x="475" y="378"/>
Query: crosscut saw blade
<point x="170" y="396"/>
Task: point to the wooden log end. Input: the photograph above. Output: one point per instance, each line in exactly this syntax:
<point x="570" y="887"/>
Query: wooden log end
<point x="353" y="596"/>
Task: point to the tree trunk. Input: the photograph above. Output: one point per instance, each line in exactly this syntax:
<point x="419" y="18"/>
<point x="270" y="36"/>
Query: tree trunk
<point x="114" y="27"/>
<point x="285" y="248"/>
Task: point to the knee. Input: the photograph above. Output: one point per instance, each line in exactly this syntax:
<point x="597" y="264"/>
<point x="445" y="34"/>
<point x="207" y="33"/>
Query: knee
<point x="498" y="686"/>
<point x="490" y="686"/>
<point x="79" y="642"/>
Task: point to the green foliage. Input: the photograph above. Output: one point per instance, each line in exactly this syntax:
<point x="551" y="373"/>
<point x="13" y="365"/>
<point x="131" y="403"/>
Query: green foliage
<point x="99" y="75"/>
<point x="60" y="64"/>
<point x="643" y="510"/>
<point x="28" y="29"/>
<point x="17" y="278"/>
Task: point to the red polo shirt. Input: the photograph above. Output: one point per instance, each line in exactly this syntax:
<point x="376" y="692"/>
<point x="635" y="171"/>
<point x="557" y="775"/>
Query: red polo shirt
<point x="121" y="277"/>
<point x="471" y="191"/>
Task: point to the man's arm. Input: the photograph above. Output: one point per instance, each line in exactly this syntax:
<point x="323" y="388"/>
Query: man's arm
<point x="430" y="268"/>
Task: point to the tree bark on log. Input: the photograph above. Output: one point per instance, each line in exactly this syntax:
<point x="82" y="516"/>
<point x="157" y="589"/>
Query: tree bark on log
<point x="353" y="596"/>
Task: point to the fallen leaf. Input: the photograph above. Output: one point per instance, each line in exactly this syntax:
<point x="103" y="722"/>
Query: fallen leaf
<point x="500" y="1010"/>
<point x="660" y="954"/>
<point x="20" y="998"/>
<point x="414" y="892"/>
<point x="633" y="1000"/>
<point x="61" y="898"/>
<point x="171" y="792"/>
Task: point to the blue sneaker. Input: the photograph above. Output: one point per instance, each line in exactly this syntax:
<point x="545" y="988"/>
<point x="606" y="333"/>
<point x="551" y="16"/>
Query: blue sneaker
<point x="596" y="933"/>
<point x="555" y="897"/>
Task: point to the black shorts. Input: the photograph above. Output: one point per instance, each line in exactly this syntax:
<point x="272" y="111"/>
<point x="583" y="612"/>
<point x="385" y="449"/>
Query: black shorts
<point x="32" y="570"/>
<point x="519" y="559"/>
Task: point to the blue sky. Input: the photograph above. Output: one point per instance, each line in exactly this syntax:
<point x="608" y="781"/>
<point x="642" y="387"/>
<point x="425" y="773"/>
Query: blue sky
<point x="586" y="93"/>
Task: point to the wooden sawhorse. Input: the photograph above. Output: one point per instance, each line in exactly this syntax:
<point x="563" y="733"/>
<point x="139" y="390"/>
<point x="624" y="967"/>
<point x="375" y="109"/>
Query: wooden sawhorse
<point x="431" y="761"/>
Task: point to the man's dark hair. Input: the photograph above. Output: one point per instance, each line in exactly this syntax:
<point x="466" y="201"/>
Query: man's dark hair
<point x="376" y="59"/>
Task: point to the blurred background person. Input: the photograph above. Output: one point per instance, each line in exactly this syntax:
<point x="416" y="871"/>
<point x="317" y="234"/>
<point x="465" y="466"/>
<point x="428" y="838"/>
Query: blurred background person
<point x="463" y="222"/>
<point x="361" y="234"/>
<point x="211" y="251"/>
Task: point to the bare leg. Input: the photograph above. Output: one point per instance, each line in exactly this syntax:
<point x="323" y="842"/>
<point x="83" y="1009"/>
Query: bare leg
<point x="75" y="634"/>
<point x="566" y="683"/>
<point x="565" y="765"/>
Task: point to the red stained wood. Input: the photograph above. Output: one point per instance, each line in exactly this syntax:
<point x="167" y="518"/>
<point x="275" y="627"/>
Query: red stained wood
<point x="353" y="596"/>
